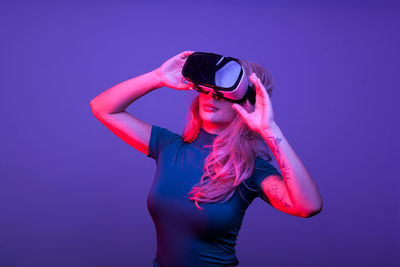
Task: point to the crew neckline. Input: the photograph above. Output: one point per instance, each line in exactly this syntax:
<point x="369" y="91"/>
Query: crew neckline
<point x="205" y="138"/>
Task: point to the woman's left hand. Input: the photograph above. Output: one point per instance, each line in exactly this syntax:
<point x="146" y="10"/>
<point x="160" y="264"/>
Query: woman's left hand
<point x="262" y="118"/>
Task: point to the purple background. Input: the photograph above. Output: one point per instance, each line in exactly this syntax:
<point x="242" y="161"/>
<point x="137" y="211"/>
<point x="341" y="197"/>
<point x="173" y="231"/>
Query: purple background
<point x="73" y="194"/>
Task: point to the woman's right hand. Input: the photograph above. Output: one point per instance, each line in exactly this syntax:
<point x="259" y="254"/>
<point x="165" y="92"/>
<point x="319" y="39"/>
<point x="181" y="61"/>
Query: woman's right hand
<point x="170" y="72"/>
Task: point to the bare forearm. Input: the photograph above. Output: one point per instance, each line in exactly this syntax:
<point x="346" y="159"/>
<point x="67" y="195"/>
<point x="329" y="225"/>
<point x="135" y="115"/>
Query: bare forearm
<point x="301" y="187"/>
<point x="119" y="97"/>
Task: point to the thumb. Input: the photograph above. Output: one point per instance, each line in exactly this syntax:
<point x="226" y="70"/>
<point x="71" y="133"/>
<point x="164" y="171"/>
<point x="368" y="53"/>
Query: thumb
<point x="239" y="109"/>
<point x="183" y="86"/>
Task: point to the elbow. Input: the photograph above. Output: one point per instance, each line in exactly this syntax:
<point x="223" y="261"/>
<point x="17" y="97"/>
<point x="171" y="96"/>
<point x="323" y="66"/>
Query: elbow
<point x="313" y="212"/>
<point x="92" y="105"/>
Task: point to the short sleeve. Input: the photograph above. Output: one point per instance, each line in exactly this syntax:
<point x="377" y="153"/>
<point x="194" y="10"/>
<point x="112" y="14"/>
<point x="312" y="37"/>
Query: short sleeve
<point x="262" y="169"/>
<point x="160" y="138"/>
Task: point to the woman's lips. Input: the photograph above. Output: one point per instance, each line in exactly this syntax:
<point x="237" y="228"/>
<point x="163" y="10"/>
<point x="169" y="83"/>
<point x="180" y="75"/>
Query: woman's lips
<point x="208" y="107"/>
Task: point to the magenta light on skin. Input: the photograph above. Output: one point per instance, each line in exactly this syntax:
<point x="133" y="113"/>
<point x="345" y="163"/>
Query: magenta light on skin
<point x="72" y="192"/>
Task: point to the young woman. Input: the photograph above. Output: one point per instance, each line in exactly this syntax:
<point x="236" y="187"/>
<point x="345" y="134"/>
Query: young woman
<point x="208" y="176"/>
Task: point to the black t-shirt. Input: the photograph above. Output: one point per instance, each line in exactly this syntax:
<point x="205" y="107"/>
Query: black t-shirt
<point x="187" y="236"/>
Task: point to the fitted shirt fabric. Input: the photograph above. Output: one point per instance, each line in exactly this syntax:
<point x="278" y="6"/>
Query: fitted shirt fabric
<point x="187" y="236"/>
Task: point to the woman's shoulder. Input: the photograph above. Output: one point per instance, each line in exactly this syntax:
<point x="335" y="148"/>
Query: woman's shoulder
<point x="159" y="130"/>
<point x="162" y="138"/>
<point x="262" y="168"/>
<point x="261" y="162"/>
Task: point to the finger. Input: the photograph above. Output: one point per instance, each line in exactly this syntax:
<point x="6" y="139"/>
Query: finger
<point x="183" y="86"/>
<point x="260" y="89"/>
<point x="191" y="86"/>
<point x="185" y="53"/>
<point x="239" y="109"/>
<point x="256" y="85"/>
<point x="188" y="84"/>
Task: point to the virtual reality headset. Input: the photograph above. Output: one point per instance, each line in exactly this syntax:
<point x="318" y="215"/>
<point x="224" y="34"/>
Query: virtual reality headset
<point x="223" y="77"/>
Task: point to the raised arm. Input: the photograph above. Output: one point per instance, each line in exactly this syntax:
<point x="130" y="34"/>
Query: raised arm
<point x="296" y="192"/>
<point x="109" y="106"/>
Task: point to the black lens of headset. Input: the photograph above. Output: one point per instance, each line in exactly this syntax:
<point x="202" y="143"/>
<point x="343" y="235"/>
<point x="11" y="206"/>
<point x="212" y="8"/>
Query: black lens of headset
<point x="200" y="68"/>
